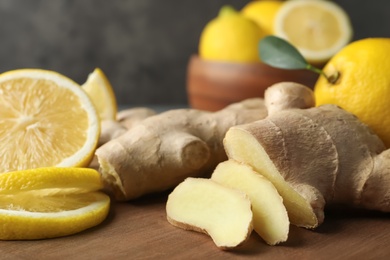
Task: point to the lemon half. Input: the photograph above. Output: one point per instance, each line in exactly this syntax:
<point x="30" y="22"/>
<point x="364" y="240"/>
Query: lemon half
<point x="317" y="28"/>
<point x="46" y="119"/>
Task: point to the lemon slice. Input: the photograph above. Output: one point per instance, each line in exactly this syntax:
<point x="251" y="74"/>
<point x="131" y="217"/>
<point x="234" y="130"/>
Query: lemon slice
<point x="102" y="95"/>
<point x="46" y="119"/>
<point x="317" y="28"/>
<point x="50" y="202"/>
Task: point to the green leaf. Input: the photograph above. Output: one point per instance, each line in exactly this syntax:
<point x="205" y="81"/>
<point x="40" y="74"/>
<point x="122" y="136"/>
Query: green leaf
<point x="279" y="53"/>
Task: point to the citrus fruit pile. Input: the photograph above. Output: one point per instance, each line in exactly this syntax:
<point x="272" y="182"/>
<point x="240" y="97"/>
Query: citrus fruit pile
<point x="49" y="130"/>
<point x="318" y="29"/>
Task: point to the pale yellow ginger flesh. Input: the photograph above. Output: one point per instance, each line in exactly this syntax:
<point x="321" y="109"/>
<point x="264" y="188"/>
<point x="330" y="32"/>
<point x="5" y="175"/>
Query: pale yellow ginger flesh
<point x="270" y="219"/>
<point x="314" y="156"/>
<point x="205" y="206"/>
<point x="160" y="151"/>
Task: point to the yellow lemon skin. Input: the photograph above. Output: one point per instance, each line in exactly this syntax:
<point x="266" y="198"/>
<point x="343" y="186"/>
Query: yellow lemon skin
<point x="263" y="13"/>
<point x="232" y="38"/>
<point x="363" y="87"/>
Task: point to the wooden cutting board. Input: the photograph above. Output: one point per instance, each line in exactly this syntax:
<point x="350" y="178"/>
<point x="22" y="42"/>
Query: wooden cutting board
<point x="139" y="230"/>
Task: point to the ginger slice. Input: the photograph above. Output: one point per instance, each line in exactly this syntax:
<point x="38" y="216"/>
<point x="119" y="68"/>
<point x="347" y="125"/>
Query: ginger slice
<point x="270" y="218"/>
<point x="241" y="145"/>
<point x="205" y="206"/>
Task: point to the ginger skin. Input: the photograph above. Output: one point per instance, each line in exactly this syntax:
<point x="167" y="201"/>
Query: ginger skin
<point x="127" y="118"/>
<point x="315" y="156"/>
<point x="131" y="116"/>
<point x="162" y="150"/>
<point x="110" y="129"/>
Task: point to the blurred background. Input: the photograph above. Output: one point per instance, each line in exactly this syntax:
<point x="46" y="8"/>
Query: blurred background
<point x="142" y="46"/>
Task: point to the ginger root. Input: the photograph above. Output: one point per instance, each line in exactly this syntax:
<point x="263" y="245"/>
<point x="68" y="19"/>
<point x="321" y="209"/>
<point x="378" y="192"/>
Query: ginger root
<point x="205" y="206"/>
<point x="131" y="116"/>
<point x="313" y="156"/>
<point x="110" y="129"/>
<point x="161" y="151"/>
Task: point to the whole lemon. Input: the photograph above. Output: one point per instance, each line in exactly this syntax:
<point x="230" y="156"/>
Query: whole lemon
<point x="263" y="13"/>
<point x="230" y="37"/>
<point x="362" y="86"/>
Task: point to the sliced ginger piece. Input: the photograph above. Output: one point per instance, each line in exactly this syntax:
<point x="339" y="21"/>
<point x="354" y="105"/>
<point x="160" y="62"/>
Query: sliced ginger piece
<point x="241" y="145"/>
<point x="205" y="206"/>
<point x="270" y="218"/>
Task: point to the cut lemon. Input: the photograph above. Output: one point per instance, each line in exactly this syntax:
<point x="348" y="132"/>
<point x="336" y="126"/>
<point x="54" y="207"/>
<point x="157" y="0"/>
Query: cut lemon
<point x="50" y="202"/>
<point x="46" y="119"/>
<point x="102" y="95"/>
<point x="317" y="28"/>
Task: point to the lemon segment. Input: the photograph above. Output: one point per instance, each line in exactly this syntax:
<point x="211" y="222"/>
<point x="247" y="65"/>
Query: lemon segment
<point x="50" y="202"/>
<point x="100" y="90"/>
<point x="317" y="28"/>
<point x="46" y="119"/>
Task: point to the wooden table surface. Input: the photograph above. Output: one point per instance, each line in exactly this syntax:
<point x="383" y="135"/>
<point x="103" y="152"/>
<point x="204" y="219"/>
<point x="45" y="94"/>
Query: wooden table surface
<point x="139" y="230"/>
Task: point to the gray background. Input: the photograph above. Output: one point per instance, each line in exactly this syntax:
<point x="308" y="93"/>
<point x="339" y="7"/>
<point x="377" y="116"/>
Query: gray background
<point x="142" y="45"/>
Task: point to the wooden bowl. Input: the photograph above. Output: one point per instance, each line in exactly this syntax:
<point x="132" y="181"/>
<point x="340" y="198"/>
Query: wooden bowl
<point x="214" y="85"/>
